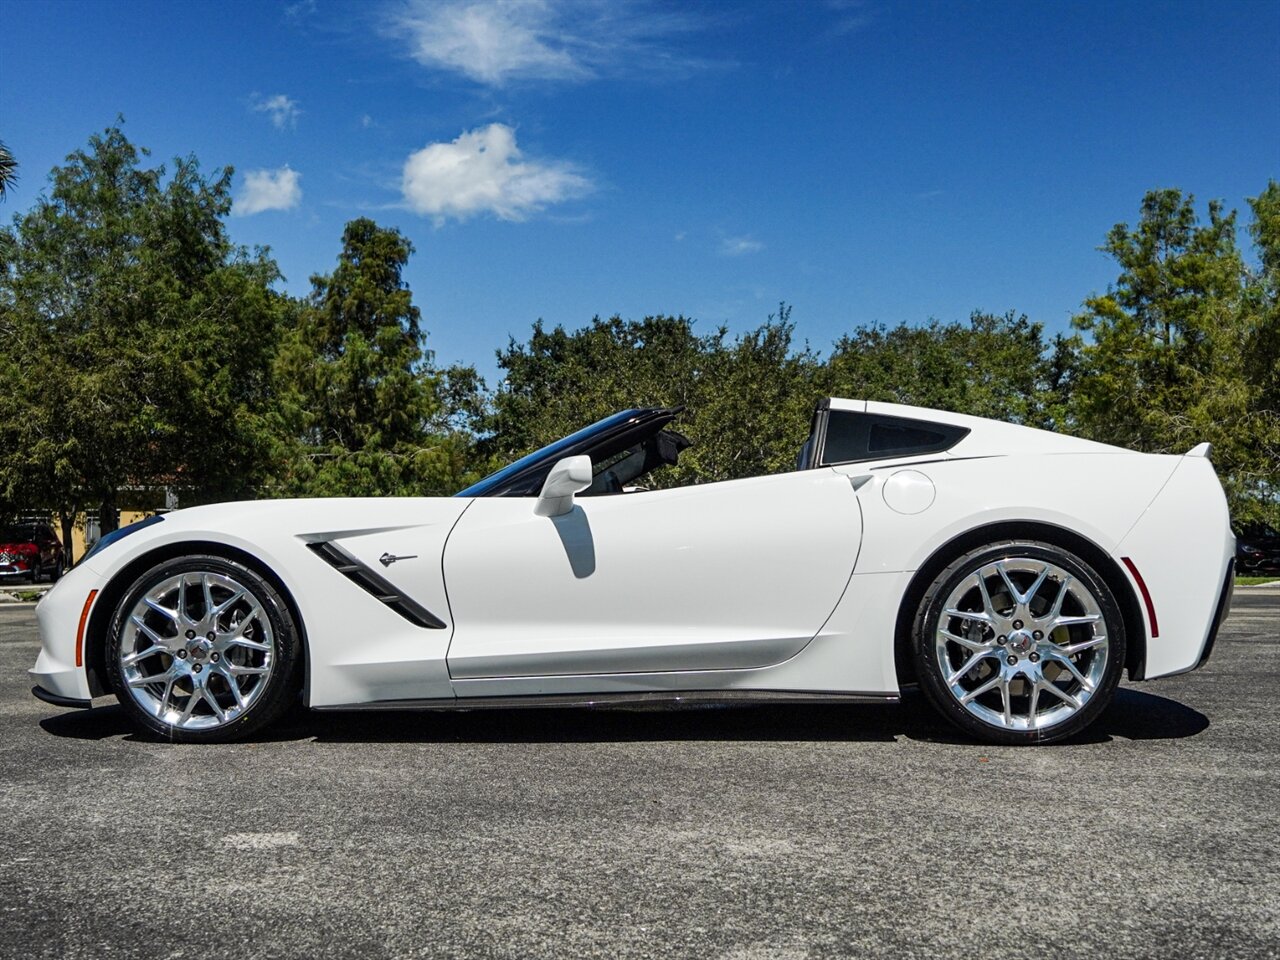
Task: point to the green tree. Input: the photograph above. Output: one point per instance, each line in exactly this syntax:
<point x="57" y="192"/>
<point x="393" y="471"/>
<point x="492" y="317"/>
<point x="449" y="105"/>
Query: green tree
<point x="747" y="399"/>
<point x="8" y="171"/>
<point x="994" y="366"/>
<point x="1169" y="352"/>
<point x="360" y="411"/>
<point x="138" y="338"/>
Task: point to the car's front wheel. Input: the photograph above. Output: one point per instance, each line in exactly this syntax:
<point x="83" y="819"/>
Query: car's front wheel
<point x="1019" y="642"/>
<point x="203" y="649"/>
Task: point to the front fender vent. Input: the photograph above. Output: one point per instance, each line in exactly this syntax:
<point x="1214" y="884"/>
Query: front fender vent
<point x="378" y="586"/>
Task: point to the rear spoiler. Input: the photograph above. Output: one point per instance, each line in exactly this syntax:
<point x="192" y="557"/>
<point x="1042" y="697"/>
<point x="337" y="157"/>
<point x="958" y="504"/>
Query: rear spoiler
<point x="1200" y="450"/>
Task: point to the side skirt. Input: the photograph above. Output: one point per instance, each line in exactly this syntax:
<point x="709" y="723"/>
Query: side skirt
<point x="658" y="699"/>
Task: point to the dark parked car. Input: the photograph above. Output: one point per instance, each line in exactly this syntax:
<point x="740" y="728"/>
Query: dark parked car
<point x="1258" y="549"/>
<point x="30" y="551"/>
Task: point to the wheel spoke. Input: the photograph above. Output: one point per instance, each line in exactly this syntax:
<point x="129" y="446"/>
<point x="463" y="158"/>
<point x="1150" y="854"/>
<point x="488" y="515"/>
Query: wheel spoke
<point x="212" y="701"/>
<point x="967" y="615"/>
<point x="1026" y="598"/>
<point x="1060" y="693"/>
<point x="151" y="651"/>
<point x="979" y="691"/>
<point x="1006" y="696"/>
<point x="141" y="626"/>
<point x="238" y="671"/>
<point x="1003" y="570"/>
<point x="155" y="678"/>
<point x="1075" y="672"/>
<point x="189" y="709"/>
<point x="246" y="642"/>
<point x="164" y="697"/>
<point x="968" y="665"/>
<point x="236" y="692"/>
<point x="222" y="608"/>
<point x="987" y="605"/>
<point x="1056" y="610"/>
<point x="1070" y="650"/>
<point x="208" y="594"/>
<point x="1031" y="707"/>
<point x="163" y="611"/>
<point x="1075" y="621"/>
<point x="967" y="642"/>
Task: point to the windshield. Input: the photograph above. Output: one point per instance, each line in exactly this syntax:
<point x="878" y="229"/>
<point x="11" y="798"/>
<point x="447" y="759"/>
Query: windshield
<point x="17" y="534"/>
<point x="548" y="453"/>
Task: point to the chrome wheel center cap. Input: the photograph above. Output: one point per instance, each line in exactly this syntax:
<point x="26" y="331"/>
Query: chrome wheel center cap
<point x="1021" y="642"/>
<point x="199" y="650"/>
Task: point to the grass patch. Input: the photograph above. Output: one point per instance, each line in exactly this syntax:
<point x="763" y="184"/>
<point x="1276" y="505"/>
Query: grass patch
<point x="1254" y="581"/>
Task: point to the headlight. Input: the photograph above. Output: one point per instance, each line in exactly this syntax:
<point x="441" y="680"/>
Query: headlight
<point x="120" y="534"/>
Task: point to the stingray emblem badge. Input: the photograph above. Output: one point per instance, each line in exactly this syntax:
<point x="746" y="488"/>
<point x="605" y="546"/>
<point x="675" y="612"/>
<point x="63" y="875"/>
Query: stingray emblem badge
<point x="387" y="559"/>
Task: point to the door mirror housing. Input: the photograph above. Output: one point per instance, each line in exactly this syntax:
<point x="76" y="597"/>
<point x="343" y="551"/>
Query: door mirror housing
<point x="569" y="476"/>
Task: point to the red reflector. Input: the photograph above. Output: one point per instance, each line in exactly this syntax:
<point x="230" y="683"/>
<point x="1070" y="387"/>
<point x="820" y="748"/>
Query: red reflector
<point x="1146" y="595"/>
<point x="84" y="618"/>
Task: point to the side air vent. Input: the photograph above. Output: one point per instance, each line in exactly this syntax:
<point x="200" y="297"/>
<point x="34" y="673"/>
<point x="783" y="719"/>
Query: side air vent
<point x="382" y="589"/>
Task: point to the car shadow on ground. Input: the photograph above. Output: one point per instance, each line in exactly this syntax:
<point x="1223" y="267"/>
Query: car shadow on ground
<point x="1132" y="715"/>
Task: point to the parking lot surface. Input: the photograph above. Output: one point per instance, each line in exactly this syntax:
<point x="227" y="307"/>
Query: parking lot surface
<point x="745" y="832"/>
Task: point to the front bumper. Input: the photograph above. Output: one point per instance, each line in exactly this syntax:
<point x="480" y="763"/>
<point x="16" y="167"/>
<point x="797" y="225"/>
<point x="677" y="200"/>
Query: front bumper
<point x="56" y="670"/>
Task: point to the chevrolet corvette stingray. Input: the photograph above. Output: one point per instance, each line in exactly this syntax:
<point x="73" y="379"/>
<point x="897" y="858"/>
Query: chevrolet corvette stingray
<point x="1012" y="574"/>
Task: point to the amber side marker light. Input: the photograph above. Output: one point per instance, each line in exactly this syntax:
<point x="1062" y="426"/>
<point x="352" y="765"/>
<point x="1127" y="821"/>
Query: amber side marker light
<point x="84" y="618"/>
<point x="1146" y="596"/>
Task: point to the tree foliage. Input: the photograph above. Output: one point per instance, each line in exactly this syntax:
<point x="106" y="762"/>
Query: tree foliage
<point x="140" y="348"/>
<point x="138" y="337"/>
<point x="1182" y="350"/>
<point x="359" y="410"/>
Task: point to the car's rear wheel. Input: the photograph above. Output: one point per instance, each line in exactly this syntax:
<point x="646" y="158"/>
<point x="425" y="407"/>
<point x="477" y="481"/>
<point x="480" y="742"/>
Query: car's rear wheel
<point x="1019" y="642"/>
<point x="203" y="649"/>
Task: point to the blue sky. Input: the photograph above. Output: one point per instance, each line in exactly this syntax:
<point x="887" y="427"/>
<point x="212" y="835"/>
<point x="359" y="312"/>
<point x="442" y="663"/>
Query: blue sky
<point x="864" y="161"/>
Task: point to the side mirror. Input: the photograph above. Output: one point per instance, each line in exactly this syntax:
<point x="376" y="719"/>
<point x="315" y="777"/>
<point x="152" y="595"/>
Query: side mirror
<point x="569" y="476"/>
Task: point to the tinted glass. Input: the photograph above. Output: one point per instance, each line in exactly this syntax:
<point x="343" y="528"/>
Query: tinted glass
<point x="864" y="436"/>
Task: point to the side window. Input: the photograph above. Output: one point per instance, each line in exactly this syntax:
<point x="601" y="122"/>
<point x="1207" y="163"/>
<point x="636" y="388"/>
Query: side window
<point x="863" y="436"/>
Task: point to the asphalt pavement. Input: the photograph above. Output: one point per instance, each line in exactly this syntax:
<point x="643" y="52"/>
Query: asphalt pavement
<point x="747" y="832"/>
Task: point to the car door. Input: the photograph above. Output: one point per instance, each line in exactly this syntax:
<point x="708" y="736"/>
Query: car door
<point x="721" y="576"/>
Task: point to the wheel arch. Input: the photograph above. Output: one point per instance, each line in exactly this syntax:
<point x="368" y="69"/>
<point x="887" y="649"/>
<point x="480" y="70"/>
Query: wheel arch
<point x="95" y="652"/>
<point x="1130" y="606"/>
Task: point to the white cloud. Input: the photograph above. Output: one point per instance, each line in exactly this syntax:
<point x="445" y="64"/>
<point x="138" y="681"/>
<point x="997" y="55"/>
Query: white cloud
<point x="737" y="246"/>
<point x="283" y="110"/>
<point x="483" y="171"/>
<point x="268" y="190"/>
<point x="495" y="43"/>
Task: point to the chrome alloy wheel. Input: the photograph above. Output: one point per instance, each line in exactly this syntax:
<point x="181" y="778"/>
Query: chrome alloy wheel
<point x="197" y="650"/>
<point x="1022" y="644"/>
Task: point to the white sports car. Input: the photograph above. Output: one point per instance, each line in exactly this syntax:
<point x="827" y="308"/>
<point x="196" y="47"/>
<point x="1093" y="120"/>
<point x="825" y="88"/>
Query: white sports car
<point x="1012" y="573"/>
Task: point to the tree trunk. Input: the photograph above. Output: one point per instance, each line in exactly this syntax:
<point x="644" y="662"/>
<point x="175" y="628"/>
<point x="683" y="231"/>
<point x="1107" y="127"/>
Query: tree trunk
<point x="108" y="516"/>
<point x="67" y="518"/>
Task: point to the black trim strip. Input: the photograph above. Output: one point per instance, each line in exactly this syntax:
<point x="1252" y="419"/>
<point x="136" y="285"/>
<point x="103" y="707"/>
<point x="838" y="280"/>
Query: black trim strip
<point x="657" y="698"/>
<point x="1219" y="615"/>
<point x="40" y="693"/>
<point x="381" y="589"/>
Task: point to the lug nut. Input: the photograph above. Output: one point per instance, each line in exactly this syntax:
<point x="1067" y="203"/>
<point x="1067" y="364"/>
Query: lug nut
<point x="182" y="654"/>
<point x="191" y="634"/>
<point x="1037" y="635"/>
<point x="1012" y="660"/>
<point x="214" y="657"/>
<point x="1017" y="624"/>
<point x="1002" y="640"/>
<point x="211" y="636"/>
<point x="197" y="668"/>
<point x="1034" y="658"/>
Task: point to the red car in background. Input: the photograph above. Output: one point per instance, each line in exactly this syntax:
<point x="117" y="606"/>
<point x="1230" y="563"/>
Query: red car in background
<point x="30" y="551"/>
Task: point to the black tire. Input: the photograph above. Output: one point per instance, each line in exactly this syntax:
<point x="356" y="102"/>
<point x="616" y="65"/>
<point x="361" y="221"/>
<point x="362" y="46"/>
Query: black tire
<point x="926" y="641"/>
<point x="282" y="684"/>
